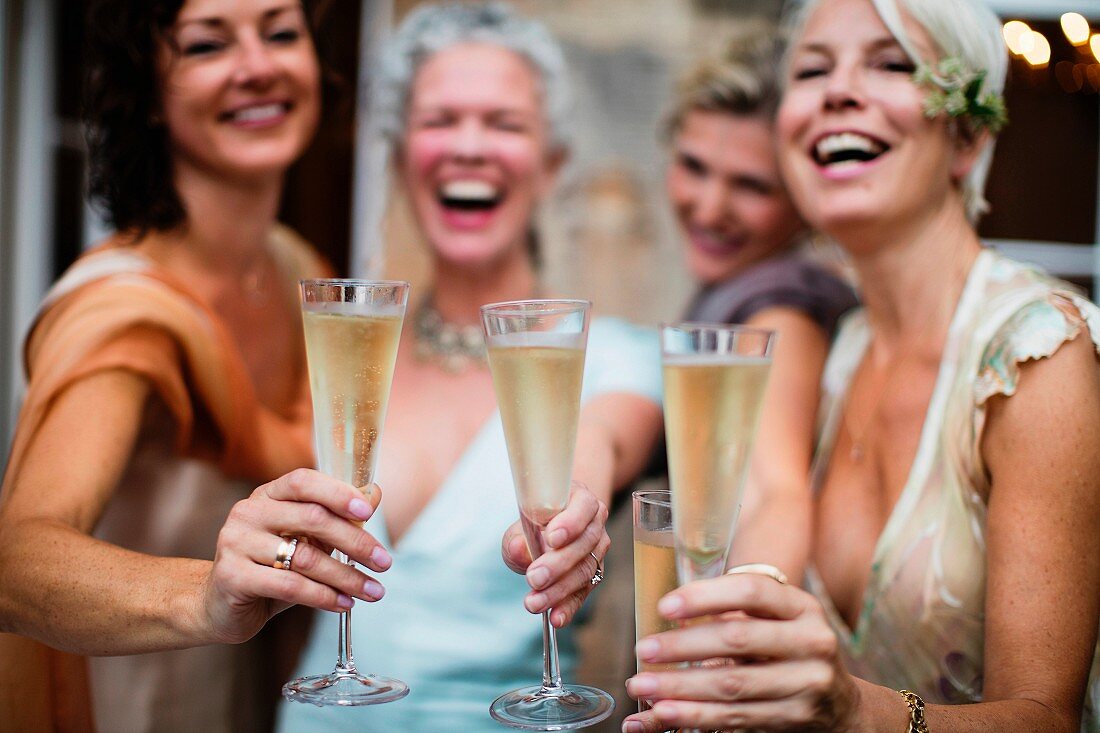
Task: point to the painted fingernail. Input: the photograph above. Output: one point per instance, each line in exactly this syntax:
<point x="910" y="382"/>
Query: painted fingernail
<point x="380" y="557"/>
<point x="642" y="684"/>
<point x="646" y="649"/>
<point x="535" y="602"/>
<point x="373" y="589"/>
<point x="670" y="605"/>
<point x="557" y="537"/>
<point x="360" y="509"/>
<point x="538" y="576"/>
<point x="344" y="601"/>
<point x="633" y="726"/>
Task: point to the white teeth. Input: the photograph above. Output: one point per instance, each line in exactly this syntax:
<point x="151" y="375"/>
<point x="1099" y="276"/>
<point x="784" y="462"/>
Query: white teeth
<point x="255" y="114"/>
<point x="469" y="190"/>
<point x="847" y="141"/>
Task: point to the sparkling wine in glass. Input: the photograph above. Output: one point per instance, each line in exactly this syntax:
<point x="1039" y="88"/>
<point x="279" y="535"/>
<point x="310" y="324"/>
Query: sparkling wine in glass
<point x="536" y="356"/>
<point x="654" y="565"/>
<point x="352" y="328"/>
<point x="714" y="380"/>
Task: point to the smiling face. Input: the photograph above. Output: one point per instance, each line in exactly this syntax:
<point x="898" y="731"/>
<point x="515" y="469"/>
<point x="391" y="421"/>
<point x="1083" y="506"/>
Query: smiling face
<point x="240" y="86"/>
<point x="855" y="145"/>
<point x="475" y="158"/>
<point x="723" y="182"/>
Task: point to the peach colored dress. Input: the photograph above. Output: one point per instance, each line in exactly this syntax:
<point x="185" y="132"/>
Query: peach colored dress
<point x="205" y="443"/>
<point x="921" y="624"/>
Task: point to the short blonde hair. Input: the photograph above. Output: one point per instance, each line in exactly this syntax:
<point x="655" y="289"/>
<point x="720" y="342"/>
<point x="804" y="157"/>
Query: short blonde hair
<point x="963" y="29"/>
<point x="742" y="80"/>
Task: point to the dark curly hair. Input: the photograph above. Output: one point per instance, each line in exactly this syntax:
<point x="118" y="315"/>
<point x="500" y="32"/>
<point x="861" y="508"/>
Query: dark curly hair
<point x="130" y="168"/>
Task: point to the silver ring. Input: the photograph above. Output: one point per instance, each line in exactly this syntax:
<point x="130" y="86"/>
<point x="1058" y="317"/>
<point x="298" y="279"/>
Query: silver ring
<point x="285" y="554"/>
<point x="597" y="577"/>
<point x="759" y="568"/>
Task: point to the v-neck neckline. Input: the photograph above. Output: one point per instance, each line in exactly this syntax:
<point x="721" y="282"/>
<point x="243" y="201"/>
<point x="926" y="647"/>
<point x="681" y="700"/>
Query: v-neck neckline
<point x="922" y="460"/>
<point x="437" y="502"/>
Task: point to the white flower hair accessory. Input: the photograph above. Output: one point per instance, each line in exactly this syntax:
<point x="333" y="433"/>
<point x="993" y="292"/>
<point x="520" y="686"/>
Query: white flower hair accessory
<point x="957" y="92"/>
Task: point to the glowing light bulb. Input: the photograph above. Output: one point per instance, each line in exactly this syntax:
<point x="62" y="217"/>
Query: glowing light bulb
<point x="1076" y="28"/>
<point x="1039" y="53"/>
<point x="1094" y="42"/>
<point x="1017" y="35"/>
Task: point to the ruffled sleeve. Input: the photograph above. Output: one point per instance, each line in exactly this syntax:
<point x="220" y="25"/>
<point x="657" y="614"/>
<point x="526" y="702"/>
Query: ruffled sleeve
<point x="1035" y="331"/>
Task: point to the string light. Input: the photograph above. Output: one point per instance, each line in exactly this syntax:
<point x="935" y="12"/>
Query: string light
<point x="1017" y="35"/>
<point x="1076" y="28"/>
<point x="1094" y="42"/>
<point x="1039" y="53"/>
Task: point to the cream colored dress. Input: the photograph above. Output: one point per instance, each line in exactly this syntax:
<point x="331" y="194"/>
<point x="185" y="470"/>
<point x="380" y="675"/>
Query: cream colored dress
<point x="921" y="624"/>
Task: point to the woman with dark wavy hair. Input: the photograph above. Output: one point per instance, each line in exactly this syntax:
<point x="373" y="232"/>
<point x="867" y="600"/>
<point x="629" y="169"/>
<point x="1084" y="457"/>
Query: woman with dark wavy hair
<point x="166" y="381"/>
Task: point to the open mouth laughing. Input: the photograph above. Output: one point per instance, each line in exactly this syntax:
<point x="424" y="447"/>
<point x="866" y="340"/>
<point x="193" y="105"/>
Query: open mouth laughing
<point x="847" y="150"/>
<point x="469" y="202"/>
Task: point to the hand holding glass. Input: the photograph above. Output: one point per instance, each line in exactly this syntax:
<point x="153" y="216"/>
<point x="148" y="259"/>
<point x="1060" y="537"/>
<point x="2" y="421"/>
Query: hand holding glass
<point x="352" y="328"/>
<point x="536" y="356"/>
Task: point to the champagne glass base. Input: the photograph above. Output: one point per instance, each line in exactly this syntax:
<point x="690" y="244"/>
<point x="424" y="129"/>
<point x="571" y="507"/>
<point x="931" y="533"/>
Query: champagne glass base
<point x="543" y="708"/>
<point x="345" y="689"/>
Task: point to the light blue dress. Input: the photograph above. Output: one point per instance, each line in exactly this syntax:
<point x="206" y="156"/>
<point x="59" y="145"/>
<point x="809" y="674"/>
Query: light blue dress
<point x="452" y="624"/>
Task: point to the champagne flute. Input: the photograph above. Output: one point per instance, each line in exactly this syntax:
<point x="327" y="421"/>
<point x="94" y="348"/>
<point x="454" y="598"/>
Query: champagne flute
<point x="654" y="569"/>
<point x="536" y="356"/>
<point x="654" y="565"/>
<point x="714" y="380"/>
<point x="352" y="328"/>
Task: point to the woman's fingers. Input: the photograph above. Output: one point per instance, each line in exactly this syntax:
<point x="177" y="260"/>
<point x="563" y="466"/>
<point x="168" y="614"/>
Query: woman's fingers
<point x="312" y="520"/>
<point x="756" y="595"/>
<point x="740" y="637"/>
<point x="263" y="513"/>
<point x="574" y="533"/>
<point x="317" y="565"/>
<point x="788" y="714"/>
<point x="559" y="574"/>
<point x="730" y="682"/>
<point x="309" y="486"/>
<point x="513" y="548"/>
<point x="246" y="580"/>
<point x="571" y="522"/>
<point x="645" y="722"/>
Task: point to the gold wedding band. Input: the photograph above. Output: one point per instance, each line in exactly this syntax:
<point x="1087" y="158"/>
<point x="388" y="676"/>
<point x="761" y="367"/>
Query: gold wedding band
<point x="285" y="554"/>
<point x="759" y="568"/>
<point x="597" y="577"/>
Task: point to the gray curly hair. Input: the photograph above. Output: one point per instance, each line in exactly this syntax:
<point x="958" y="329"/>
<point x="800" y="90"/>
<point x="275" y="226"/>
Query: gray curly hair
<point x="437" y="26"/>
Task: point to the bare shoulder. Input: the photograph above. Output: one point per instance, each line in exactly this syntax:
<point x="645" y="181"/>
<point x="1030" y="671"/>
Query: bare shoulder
<point x="1054" y="408"/>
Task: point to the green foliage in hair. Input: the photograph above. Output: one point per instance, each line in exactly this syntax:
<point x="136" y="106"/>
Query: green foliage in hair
<point x="957" y="92"/>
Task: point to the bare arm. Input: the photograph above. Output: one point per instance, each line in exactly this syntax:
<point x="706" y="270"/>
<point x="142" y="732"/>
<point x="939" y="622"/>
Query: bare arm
<point x="775" y="519"/>
<point x="1042" y="448"/>
<point x="615" y="438"/>
<point x="63" y="587"/>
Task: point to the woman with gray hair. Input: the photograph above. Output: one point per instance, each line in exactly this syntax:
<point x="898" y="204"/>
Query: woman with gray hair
<point x="953" y="583"/>
<point x="473" y="99"/>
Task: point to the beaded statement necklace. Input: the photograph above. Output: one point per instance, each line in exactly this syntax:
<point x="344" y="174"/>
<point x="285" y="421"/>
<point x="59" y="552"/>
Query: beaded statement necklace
<point x="452" y="347"/>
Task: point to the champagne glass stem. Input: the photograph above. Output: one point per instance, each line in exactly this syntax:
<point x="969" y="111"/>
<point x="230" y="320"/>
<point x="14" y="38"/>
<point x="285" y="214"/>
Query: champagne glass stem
<point x="345" y="662"/>
<point x="551" y="671"/>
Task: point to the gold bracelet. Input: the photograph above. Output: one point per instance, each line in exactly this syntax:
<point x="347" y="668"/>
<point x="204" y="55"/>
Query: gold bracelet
<point x="916" y="712"/>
